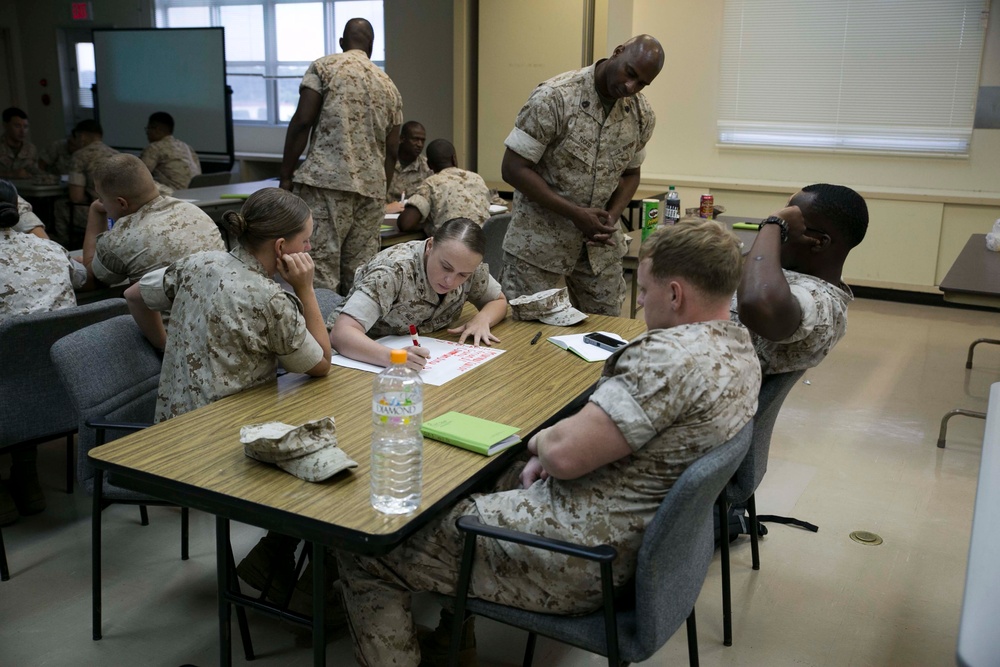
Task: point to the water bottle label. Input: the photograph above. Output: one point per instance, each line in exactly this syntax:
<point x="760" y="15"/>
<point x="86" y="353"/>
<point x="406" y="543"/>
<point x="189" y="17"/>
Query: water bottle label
<point x="396" y="408"/>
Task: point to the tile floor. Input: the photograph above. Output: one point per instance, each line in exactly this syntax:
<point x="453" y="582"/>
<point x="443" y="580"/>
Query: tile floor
<point x="854" y="449"/>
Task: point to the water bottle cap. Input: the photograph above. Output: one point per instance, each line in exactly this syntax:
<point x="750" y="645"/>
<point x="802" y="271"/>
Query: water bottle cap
<point x="398" y="356"/>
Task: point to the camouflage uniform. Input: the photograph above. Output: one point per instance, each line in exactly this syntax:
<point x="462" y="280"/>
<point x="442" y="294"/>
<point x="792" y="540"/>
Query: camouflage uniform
<point x="406" y="179"/>
<point x="28" y="219"/>
<point x="673" y="393"/>
<point x="824" y="323"/>
<point x="343" y="177"/>
<point x="85" y="160"/>
<point x="160" y="233"/>
<point x="231" y="323"/>
<point x="391" y="292"/>
<point x="26" y="157"/>
<point x="581" y="153"/>
<point x="57" y="156"/>
<point x="171" y="162"/>
<point x="35" y="275"/>
<point x="451" y="193"/>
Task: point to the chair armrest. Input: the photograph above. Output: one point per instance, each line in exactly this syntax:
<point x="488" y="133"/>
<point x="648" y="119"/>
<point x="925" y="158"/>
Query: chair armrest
<point x="119" y="426"/>
<point x="603" y="553"/>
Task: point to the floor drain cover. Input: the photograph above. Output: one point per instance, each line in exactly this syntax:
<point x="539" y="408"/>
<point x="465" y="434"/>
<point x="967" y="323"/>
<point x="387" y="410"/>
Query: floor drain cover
<point x="864" y="537"/>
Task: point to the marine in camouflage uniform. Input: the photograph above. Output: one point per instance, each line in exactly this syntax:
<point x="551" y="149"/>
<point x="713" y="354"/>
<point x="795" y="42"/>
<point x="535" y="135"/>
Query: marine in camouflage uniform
<point x="673" y="393"/>
<point x="171" y="162"/>
<point x="13" y="160"/>
<point x="823" y="324"/>
<point x="230" y="325"/>
<point x="451" y="193"/>
<point x="57" y="157"/>
<point x="28" y="219"/>
<point x="36" y="275"/>
<point x="343" y="178"/>
<point x="84" y="161"/>
<point x="406" y="179"/>
<point x="161" y="232"/>
<point x="391" y="292"/>
<point x="580" y="147"/>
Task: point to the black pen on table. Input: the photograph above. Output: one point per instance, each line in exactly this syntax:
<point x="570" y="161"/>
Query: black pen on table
<point x="537" y="336"/>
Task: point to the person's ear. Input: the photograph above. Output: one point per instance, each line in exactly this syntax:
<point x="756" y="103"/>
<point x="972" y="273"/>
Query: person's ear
<point x="279" y="247"/>
<point x="122" y="203"/>
<point x="821" y="241"/>
<point x="676" y="295"/>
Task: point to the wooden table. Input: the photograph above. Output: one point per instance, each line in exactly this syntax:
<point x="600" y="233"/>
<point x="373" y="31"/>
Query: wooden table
<point x="974" y="276"/>
<point x="630" y="262"/>
<point x="196" y="459"/>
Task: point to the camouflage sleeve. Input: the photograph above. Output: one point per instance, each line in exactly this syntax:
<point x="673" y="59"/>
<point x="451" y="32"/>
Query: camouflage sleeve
<point x="159" y="287"/>
<point x="809" y="304"/>
<point x="149" y="157"/>
<point x="27" y="222"/>
<point x="646" y="393"/>
<point x="645" y="134"/>
<point x="107" y="266"/>
<point x="374" y="295"/>
<point x="76" y="172"/>
<point x="536" y="126"/>
<point x="77" y="273"/>
<point x="483" y="288"/>
<point x="421" y="200"/>
<point x="288" y="336"/>
<point x="312" y="81"/>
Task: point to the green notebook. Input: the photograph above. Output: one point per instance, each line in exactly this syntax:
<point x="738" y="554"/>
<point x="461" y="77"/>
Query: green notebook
<point x="477" y="435"/>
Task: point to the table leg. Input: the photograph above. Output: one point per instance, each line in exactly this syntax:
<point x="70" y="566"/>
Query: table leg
<point x="319" y="604"/>
<point x="225" y="610"/>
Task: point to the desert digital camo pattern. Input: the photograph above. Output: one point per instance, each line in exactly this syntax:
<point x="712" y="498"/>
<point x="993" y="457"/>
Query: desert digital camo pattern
<point x="824" y="323"/>
<point x="230" y="324"/>
<point x="57" y="156"/>
<point x="171" y="162"/>
<point x="406" y="179"/>
<point x="25" y="157"/>
<point x="674" y="393"/>
<point x="391" y="292"/>
<point x="601" y="294"/>
<point x="581" y="153"/>
<point x="85" y="160"/>
<point x="36" y="275"/>
<point x="451" y="193"/>
<point x="158" y="234"/>
<point x="360" y="106"/>
<point x="28" y="220"/>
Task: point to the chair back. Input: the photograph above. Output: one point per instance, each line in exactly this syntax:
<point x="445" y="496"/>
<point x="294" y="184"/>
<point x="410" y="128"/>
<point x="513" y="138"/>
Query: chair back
<point x="328" y="301"/>
<point x="111" y="373"/>
<point x="35" y="404"/>
<point x="773" y="390"/>
<point x="210" y="180"/>
<point x="677" y="548"/>
<point x="495" y="230"/>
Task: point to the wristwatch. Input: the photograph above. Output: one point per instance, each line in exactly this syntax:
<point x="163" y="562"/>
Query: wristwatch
<point x="775" y="220"/>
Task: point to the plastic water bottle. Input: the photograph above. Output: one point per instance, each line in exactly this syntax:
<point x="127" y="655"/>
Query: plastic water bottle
<point x="672" y="207"/>
<point x="397" y="445"/>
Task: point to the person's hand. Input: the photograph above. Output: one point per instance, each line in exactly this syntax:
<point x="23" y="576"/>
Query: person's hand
<point x="480" y="332"/>
<point x="97" y="207"/>
<point x="532" y="472"/>
<point x="285" y="184"/>
<point x="395" y="207"/>
<point x="596" y="225"/>
<point x="297" y="270"/>
<point x="792" y="215"/>
<point x="416" y="357"/>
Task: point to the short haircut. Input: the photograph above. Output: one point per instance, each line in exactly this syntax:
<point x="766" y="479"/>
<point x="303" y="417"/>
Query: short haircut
<point x="9" y="214"/>
<point x="13" y="112"/>
<point x="408" y="126"/>
<point x="359" y="31"/>
<point x="439" y="154"/>
<point x="163" y="119"/>
<point x="123" y="175"/>
<point x="88" y="126"/>
<point x="700" y="251"/>
<point x="463" y="230"/>
<point x="268" y="214"/>
<point x="842" y="207"/>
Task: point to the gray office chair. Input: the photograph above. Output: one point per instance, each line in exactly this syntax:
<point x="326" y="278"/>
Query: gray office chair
<point x="495" y="230"/>
<point x="743" y="485"/>
<point x="36" y="408"/>
<point x="673" y="559"/>
<point x="209" y="180"/>
<point x="328" y="301"/>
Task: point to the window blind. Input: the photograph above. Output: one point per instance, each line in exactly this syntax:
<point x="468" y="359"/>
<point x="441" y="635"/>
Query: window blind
<point x="886" y="76"/>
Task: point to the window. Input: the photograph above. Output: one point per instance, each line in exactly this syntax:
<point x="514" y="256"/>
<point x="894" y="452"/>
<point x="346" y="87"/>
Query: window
<point x="270" y="43"/>
<point x="885" y="76"/>
<point x="85" y="77"/>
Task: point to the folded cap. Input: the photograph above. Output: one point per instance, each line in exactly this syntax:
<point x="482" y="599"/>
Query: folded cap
<point x="309" y="452"/>
<point x="551" y="307"/>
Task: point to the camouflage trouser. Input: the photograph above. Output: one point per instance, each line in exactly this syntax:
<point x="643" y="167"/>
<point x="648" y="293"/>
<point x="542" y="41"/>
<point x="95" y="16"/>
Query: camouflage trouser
<point x="345" y="234"/>
<point x="600" y="294"/>
<point x="377" y="590"/>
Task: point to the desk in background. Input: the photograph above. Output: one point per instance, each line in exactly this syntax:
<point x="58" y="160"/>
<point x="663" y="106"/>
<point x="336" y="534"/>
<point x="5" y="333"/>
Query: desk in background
<point x="630" y="262"/>
<point x="974" y="276"/>
<point x="196" y="459"/>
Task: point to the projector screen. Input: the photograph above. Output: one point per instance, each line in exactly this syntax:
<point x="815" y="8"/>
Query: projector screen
<point x="180" y="70"/>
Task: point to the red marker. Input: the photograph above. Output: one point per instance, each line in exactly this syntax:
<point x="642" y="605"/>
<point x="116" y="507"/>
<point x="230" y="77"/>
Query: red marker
<point x="413" y="333"/>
